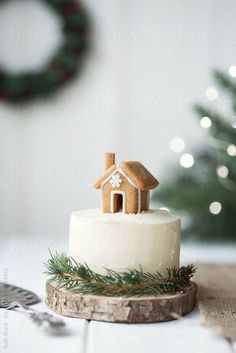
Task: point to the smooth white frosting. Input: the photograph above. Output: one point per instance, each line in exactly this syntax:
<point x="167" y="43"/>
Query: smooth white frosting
<point x="150" y="240"/>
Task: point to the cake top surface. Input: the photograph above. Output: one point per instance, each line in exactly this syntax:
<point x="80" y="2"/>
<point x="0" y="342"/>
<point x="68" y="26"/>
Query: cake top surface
<point x="146" y="217"/>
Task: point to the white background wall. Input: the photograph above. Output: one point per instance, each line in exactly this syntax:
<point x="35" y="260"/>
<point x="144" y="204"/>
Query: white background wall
<point x="150" y="60"/>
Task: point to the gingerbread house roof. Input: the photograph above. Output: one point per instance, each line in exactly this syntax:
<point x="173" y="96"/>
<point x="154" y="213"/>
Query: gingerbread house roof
<point x="135" y="171"/>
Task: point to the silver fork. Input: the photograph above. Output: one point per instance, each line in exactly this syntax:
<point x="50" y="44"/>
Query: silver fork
<point x="16" y="297"/>
<point x="42" y="319"/>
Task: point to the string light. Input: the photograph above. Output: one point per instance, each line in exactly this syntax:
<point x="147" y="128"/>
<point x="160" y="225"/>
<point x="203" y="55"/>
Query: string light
<point x="164" y="209"/>
<point x="205" y="122"/>
<point x="233" y="124"/>
<point x="231" y="150"/>
<point x="186" y="160"/>
<point x="232" y="70"/>
<point x="222" y="171"/>
<point x="211" y="93"/>
<point x="215" y="207"/>
<point x="177" y="144"/>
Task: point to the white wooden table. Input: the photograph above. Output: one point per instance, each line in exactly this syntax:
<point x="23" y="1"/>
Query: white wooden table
<point x="21" y="263"/>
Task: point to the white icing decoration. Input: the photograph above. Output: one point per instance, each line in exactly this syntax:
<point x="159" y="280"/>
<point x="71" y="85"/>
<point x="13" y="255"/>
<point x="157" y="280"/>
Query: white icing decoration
<point x="139" y="200"/>
<point x="108" y="178"/>
<point x="116" y="180"/>
<point x="128" y="178"/>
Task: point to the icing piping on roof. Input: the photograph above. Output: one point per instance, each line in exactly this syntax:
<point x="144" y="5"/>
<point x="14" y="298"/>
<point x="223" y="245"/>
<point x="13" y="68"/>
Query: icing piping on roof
<point x="119" y="170"/>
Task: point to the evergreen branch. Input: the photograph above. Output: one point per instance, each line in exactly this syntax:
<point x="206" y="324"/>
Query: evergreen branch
<point x="192" y="191"/>
<point x="220" y="128"/>
<point x="77" y="277"/>
<point x="225" y="82"/>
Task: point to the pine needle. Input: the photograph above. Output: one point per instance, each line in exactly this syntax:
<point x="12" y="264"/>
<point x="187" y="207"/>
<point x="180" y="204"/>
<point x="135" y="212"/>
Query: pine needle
<point x="79" y="278"/>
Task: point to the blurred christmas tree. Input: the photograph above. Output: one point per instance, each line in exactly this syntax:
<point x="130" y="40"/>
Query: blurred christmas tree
<point x="204" y="187"/>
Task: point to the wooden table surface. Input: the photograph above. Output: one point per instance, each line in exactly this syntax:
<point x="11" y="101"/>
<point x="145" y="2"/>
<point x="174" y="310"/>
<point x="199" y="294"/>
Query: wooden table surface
<point x="21" y="263"/>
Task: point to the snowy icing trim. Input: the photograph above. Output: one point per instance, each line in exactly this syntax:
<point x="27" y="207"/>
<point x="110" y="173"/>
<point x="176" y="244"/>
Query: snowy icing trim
<point x="139" y="200"/>
<point x="119" y="170"/>
<point x="116" y="180"/>
<point x="128" y="178"/>
<point x="108" y="178"/>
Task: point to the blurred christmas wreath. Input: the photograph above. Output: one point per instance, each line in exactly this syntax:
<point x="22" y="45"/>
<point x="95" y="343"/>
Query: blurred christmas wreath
<point x="63" y="66"/>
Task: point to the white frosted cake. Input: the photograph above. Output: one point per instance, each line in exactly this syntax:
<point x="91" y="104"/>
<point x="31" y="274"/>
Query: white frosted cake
<point x="124" y="234"/>
<point x="123" y="258"/>
<point x="150" y="240"/>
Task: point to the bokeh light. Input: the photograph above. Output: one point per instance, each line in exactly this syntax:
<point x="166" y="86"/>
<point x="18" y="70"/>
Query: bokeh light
<point x="215" y="207"/>
<point x="211" y="93"/>
<point x="231" y="150"/>
<point x="205" y="122"/>
<point x="222" y="171"/>
<point x="177" y="144"/>
<point x="186" y="160"/>
<point x="232" y="70"/>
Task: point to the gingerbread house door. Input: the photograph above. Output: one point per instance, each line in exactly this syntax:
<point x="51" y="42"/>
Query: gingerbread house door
<point x="117" y="203"/>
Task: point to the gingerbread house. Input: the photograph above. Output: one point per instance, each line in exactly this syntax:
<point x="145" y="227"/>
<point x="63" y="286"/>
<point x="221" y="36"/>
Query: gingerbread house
<point x="125" y="186"/>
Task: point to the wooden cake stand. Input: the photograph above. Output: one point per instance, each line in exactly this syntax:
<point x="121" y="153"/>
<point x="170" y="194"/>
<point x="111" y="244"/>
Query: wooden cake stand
<point x="164" y="307"/>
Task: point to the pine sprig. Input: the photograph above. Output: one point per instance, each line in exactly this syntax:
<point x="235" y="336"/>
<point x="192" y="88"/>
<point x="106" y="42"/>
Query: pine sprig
<point x="78" y="277"/>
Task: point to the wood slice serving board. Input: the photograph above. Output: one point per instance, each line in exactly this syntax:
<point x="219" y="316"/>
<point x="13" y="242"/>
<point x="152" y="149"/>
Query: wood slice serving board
<point x="121" y="309"/>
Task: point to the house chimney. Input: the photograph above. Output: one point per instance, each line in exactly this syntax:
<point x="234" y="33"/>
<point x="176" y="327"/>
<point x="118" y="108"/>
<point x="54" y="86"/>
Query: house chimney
<point x="109" y="160"/>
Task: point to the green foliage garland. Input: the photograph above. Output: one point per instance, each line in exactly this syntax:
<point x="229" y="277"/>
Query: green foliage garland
<point x="64" y="65"/>
<point x="77" y="277"/>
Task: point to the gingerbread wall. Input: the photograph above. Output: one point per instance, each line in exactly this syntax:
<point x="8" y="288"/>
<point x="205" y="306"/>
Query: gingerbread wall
<point x="144" y="200"/>
<point x="130" y="198"/>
